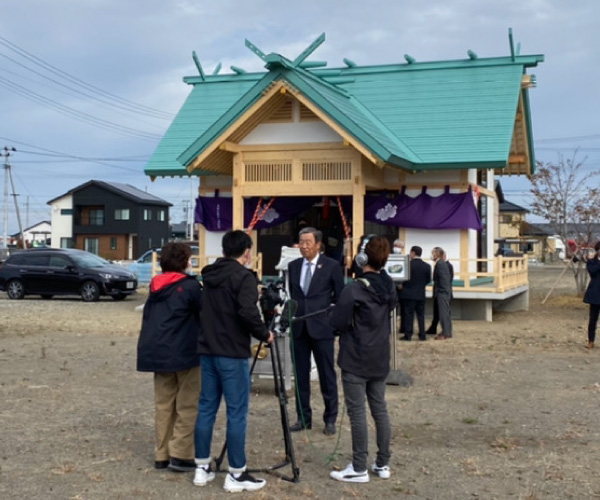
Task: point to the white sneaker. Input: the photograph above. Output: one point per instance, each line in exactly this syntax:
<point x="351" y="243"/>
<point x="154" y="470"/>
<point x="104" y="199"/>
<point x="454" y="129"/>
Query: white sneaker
<point x="383" y="472"/>
<point x="203" y="476"/>
<point x="349" y="475"/>
<point x="245" y="482"/>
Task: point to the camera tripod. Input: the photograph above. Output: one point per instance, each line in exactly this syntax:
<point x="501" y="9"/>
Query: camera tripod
<point x="284" y="323"/>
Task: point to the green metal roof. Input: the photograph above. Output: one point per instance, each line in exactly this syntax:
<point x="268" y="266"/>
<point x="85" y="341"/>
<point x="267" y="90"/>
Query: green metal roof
<point x="445" y="114"/>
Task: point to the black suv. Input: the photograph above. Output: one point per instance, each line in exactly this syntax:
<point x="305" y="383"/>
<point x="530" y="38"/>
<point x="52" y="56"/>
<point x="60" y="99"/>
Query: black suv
<point x="48" y="272"/>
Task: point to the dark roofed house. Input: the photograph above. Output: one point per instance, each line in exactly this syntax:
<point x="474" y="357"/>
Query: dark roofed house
<point x="114" y="220"/>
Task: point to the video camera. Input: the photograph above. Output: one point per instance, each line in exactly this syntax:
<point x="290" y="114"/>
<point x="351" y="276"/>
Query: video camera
<point x="272" y="295"/>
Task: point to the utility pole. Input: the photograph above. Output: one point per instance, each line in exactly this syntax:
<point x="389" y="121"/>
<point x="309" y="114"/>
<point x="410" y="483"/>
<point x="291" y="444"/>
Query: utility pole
<point x="185" y="204"/>
<point x="5" y="153"/>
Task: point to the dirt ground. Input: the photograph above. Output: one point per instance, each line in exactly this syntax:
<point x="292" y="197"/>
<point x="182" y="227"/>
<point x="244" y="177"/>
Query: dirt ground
<point x="506" y="409"/>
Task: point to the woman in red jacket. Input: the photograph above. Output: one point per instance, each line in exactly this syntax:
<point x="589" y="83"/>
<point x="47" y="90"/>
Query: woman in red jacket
<point x="168" y="347"/>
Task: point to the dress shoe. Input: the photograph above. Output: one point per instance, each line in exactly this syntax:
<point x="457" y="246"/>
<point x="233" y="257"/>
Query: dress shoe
<point x="161" y="464"/>
<point x="422" y="337"/>
<point x="441" y="336"/>
<point x="299" y="426"/>
<point x="329" y="429"/>
<point x="590" y="345"/>
<point x="405" y="338"/>
<point x="179" y="465"/>
<point x="430" y="332"/>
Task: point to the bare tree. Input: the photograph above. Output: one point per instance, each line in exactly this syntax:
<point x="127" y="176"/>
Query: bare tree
<point x="568" y="197"/>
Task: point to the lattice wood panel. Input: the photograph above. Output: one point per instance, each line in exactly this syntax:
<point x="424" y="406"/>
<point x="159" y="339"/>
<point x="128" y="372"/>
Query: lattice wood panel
<point x="306" y="115"/>
<point x="327" y="171"/>
<point x="268" y="172"/>
<point x="282" y="114"/>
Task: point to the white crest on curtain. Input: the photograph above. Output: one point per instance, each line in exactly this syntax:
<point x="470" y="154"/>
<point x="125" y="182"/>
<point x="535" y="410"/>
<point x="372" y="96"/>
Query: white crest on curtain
<point x="387" y="212"/>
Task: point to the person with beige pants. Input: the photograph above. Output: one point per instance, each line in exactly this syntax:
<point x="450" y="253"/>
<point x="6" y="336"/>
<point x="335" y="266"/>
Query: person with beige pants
<point x="168" y="346"/>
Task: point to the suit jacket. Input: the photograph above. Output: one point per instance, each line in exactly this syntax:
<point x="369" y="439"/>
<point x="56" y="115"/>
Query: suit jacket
<point x="420" y="276"/>
<point x="325" y="288"/>
<point x="442" y="278"/>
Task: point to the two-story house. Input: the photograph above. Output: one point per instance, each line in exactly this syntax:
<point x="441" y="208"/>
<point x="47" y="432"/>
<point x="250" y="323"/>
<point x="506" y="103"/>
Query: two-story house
<point x="116" y="221"/>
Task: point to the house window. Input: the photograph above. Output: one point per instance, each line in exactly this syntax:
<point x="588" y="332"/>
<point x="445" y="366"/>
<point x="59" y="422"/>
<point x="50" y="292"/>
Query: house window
<point x="91" y="245"/>
<point x="66" y="211"/>
<point x="96" y="217"/>
<point x="122" y="214"/>
<point x="507" y="219"/>
<point x="161" y="215"/>
<point x="113" y="243"/>
<point x="66" y="243"/>
<point x="147" y="214"/>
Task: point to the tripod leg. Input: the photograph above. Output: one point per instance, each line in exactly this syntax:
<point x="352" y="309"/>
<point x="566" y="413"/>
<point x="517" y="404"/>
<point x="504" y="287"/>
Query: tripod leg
<point x="285" y="423"/>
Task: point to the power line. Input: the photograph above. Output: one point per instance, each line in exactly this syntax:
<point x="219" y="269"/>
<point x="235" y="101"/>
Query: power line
<point x="78" y="115"/>
<point x="73" y="79"/>
<point x="570" y="139"/>
<point x="66" y="155"/>
<point x="77" y="92"/>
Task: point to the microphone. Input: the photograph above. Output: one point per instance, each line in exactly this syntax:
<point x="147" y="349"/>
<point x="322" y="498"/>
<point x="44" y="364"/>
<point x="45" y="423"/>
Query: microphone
<point x="315" y="313"/>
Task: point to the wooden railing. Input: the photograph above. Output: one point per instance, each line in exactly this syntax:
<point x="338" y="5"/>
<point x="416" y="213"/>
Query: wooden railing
<point x="204" y="260"/>
<point x="502" y="274"/>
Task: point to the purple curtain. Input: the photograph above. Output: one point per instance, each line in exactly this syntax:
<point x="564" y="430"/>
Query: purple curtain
<point x="446" y="211"/>
<point x="216" y="213"/>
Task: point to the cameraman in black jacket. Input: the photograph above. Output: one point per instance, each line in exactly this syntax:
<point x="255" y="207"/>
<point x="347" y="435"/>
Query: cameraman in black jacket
<point x="230" y="316"/>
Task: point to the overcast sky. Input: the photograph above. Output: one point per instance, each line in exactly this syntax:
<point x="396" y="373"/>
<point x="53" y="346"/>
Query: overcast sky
<point x="88" y="87"/>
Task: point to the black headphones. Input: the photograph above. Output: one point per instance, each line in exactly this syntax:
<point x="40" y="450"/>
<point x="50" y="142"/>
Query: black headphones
<point x="361" y="259"/>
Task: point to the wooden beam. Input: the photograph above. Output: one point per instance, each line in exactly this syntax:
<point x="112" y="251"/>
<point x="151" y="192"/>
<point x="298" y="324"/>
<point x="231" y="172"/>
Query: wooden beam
<point x="516" y="159"/>
<point x="232" y="147"/>
<point x="321" y="188"/>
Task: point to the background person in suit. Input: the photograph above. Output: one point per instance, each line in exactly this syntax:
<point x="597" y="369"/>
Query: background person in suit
<point x="442" y="291"/>
<point x="592" y="294"/>
<point x="432" y="330"/>
<point x="316" y="282"/>
<point x="412" y="293"/>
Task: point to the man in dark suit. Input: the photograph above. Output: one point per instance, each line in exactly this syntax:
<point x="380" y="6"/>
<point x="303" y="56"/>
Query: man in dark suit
<point x="432" y="330"/>
<point x="315" y="282"/>
<point x="412" y="293"/>
<point x="442" y="291"/>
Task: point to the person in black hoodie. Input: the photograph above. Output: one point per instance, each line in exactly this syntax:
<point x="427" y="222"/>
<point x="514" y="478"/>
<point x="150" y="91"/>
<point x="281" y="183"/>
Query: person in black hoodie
<point x="167" y="346"/>
<point x="230" y="316"/>
<point x="362" y="318"/>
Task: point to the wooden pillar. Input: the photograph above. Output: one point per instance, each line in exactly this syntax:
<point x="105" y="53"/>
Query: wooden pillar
<point x="237" y="193"/>
<point x="358" y="207"/>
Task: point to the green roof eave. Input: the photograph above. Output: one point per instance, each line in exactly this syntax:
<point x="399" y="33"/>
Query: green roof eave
<point x="171" y="172"/>
<point x="422" y="167"/>
<point x="227" y="119"/>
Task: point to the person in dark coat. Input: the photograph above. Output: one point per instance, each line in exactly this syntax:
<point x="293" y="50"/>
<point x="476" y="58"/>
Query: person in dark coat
<point x="230" y="317"/>
<point x="362" y="319"/>
<point x="432" y="330"/>
<point x="315" y="282"/>
<point x="592" y="294"/>
<point x="442" y="291"/>
<point x="167" y="346"/>
<point x="412" y="293"/>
